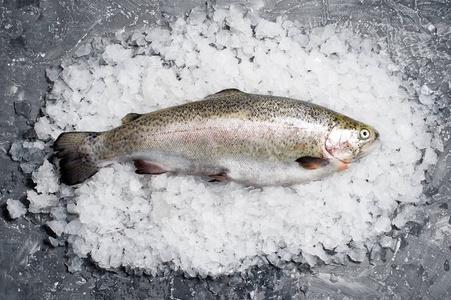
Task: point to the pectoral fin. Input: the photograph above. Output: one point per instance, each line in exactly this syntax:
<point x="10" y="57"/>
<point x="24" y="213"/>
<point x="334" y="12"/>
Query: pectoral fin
<point x="147" y="167"/>
<point x="312" y="163"/>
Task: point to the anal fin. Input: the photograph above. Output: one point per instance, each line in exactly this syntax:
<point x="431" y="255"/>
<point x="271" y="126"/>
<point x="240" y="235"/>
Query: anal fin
<point x="312" y="163"/>
<point x="219" y="177"/>
<point x="148" y="167"/>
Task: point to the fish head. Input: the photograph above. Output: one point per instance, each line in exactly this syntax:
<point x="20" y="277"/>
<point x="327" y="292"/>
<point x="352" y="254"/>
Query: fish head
<point x="350" y="140"/>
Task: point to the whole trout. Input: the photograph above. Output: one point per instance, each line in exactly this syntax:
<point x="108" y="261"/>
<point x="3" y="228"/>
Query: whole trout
<point x="231" y="135"/>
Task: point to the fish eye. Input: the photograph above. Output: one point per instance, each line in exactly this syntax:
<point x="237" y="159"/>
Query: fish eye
<point x="364" y="134"/>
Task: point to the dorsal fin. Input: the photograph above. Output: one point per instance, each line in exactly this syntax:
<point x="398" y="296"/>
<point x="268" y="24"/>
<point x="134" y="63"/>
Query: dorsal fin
<point x="130" y="117"/>
<point x="225" y="92"/>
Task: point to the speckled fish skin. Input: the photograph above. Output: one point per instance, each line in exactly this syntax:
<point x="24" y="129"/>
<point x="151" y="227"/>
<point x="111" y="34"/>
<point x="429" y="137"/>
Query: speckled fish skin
<point x="253" y="139"/>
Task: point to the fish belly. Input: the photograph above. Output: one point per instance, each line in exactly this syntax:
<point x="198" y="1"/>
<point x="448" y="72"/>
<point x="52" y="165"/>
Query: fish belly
<point x="251" y="152"/>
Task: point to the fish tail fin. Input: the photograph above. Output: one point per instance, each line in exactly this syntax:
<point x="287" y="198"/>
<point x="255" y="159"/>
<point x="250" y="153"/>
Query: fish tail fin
<point x="74" y="165"/>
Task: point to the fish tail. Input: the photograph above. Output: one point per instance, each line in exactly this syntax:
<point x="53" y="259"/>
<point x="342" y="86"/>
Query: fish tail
<point x="75" y="166"/>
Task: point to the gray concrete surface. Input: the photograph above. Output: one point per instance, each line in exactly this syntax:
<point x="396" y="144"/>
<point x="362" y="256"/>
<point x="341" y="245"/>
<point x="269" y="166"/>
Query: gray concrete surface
<point x="35" y="35"/>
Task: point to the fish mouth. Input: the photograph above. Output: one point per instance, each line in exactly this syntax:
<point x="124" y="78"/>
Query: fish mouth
<point x="367" y="148"/>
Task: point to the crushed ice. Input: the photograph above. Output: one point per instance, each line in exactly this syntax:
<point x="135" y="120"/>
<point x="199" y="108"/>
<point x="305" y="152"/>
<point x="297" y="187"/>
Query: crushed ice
<point x="182" y="222"/>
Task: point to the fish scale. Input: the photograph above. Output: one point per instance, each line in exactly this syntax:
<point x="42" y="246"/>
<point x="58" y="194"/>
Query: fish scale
<point x="249" y="138"/>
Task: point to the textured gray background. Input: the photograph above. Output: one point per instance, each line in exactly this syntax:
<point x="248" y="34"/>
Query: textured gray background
<point x="35" y="35"/>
